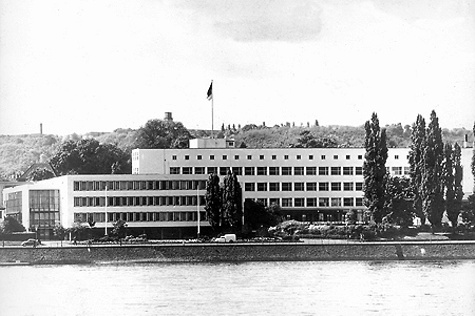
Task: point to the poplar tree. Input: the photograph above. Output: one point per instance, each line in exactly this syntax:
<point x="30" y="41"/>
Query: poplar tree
<point x="232" y="202"/>
<point x="374" y="168"/>
<point x="458" y="177"/>
<point x="449" y="184"/>
<point x="432" y="186"/>
<point x="213" y="201"/>
<point x="416" y="164"/>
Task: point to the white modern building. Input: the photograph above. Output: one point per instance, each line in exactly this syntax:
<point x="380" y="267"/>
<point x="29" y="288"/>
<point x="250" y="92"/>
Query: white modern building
<point x="166" y="189"/>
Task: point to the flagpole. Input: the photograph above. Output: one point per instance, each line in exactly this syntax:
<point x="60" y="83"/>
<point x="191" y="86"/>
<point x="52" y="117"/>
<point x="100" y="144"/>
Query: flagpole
<point x="212" y="109"/>
<point x="198" y="208"/>
<point x="105" y="211"/>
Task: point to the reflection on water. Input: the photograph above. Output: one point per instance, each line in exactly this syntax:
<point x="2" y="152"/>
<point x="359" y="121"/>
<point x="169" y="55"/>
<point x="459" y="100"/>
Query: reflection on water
<point x="251" y="288"/>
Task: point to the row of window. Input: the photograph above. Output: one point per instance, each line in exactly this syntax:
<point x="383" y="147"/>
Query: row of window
<point x="139" y="185"/>
<point x="314" y="202"/>
<point x="272" y="157"/>
<point x="140" y="217"/>
<point x="184" y="200"/>
<point x="303" y="186"/>
<point x="263" y="157"/>
<point x="271" y="171"/>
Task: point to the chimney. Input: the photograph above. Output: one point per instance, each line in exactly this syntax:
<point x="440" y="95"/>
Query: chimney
<point x="41" y="128"/>
<point x="465" y="141"/>
<point x="168" y="117"/>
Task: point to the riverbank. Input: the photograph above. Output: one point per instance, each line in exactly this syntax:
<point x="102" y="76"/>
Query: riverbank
<point x="209" y="252"/>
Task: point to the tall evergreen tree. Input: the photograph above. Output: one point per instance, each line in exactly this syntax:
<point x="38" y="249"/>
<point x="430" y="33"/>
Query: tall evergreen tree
<point x="232" y="202"/>
<point x="432" y="185"/>
<point x="374" y="168"/>
<point x="213" y="201"/>
<point x="458" y="177"/>
<point x="449" y="184"/>
<point x="416" y="163"/>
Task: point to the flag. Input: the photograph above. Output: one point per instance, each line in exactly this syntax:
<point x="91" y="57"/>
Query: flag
<point x="210" y="91"/>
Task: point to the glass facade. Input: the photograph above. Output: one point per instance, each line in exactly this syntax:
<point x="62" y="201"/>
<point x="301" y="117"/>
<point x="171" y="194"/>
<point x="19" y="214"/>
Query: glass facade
<point x="44" y="209"/>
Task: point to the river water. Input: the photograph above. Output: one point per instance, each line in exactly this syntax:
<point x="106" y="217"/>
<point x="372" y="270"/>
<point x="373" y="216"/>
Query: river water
<point x="249" y="288"/>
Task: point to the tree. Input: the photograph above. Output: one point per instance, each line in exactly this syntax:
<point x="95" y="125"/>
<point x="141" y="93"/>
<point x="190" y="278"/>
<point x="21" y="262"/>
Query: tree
<point x="88" y="156"/>
<point x="257" y="215"/>
<point x="374" y="169"/>
<point x="41" y="174"/>
<point x="432" y="184"/>
<point x="162" y="134"/>
<point x="59" y="231"/>
<point x="232" y="202"/>
<point x="399" y="208"/>
<point x="11" y="225"/>
<point x="416" y="158"/>
<point x="213" y="201"/>
<point x="449" y="184"/>
<point x="119" y="229"/>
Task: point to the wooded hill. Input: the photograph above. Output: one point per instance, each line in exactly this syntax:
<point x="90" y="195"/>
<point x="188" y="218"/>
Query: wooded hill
<point x="18" y="152"/>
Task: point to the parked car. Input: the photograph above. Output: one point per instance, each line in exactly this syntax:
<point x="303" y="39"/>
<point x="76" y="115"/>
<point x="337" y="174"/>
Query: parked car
<point x="31" y="242"/>
<point x="226" y="238"/>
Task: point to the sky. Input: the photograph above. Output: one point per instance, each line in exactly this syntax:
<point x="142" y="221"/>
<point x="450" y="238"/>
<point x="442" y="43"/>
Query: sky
<point x="95" y="66"/>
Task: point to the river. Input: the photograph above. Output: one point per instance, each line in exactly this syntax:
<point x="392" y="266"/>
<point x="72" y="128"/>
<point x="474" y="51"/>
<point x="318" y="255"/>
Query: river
<point x="249" y="288"/>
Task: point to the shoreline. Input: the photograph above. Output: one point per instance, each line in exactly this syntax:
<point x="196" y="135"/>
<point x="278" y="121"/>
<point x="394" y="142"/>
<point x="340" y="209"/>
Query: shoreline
<point x="238" y="252"/>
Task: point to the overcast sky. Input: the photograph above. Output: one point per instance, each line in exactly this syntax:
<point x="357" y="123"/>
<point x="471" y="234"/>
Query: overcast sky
<point x="82" y="66"/>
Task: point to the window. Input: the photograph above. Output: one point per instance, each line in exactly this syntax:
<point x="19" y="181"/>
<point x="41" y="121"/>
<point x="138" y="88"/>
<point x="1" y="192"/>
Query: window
<point x="261" y="186"/>
<point x="286" y="186"/>
<point x="335" y="202"/>
<point x="323" y="157"/>
<point x="286" y="171"/>
<point x="298" y="171"/>
<point x="174" y="170"/>
<point x="310" y="157"/>
<point x="348" y="171"/>
<point x="237" y="171"/>
<point x="336" y="186"/>
<point x="348" y="186"/>
<point x="335" y="157"/>
<point x="236" y="157"/>
<point x="274" y="201"/>
<point x="397" y="171"/>
<point x="323" y="202"/>
<point x="212" y="170"/>
<point x="323" y="171"/>
<point x="396" y="157"/>
<point x="335" y="171"/>
<point x="299" y="186"/>
<point x="187" y="157"/>
<point x="225" y="157"/>
<point x="249" y="157"/>
<point x="211" y="157"/>
<point x="359" y="186"/>
<point x="286" y="157"/>
<point x="407" y="171"/>
<point x="348" y="202"/>
<point x="311" y="202"/>
<point x="174" y="157"/>
<point x="299" y="202"/>
<point x="359" y="201"/>
<point x="274" y="157"/>
<point x="261" y="171"/>
<point x="262" y="201"/>
<point x="360" y="157"/>
<point x="249" y="171"/>
<point x="223" y="171"/>
<point x="359" y="171"/>
<point x="348" y="157"/>
<point x="199" y="157"/>
<point x="323" y="186"/>
<point x="299" y="157"/>
<point x="261" y="157"/>
<point x="274" y="186"/>
<point x="286" y="202"/>
<point x="249" y="186"/>
<point x="187" y="170"/>
<point x="311" y="186"/>
<point x="274" y="171"/>
<point x="311" y="171"/>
